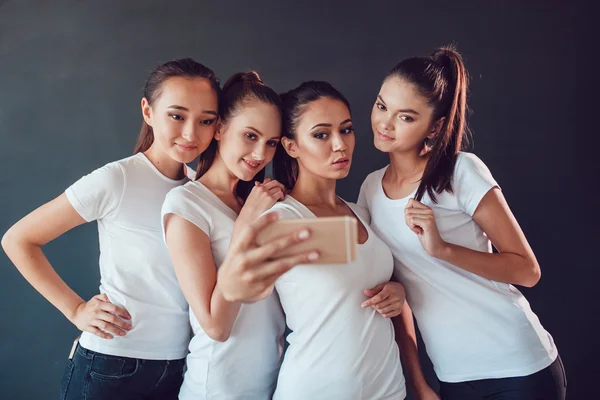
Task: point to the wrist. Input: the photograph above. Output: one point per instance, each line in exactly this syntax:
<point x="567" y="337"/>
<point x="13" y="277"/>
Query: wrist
<point x="443" y="251"/>
<point x="72" y="311"/>
<point x="227" y="297"/>
<point x="421" y="388"/>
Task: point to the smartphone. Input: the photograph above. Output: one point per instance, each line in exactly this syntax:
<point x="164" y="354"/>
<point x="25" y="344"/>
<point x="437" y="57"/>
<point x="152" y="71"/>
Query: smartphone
<point x="335" y="238"/>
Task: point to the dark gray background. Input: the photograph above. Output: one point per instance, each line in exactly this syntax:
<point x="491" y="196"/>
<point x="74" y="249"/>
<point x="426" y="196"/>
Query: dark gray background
<point x="71" y="75"/>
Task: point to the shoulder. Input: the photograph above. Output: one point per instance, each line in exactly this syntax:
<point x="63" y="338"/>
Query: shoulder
<point x="108" y="180"/>
<point x="289" y="208"/>
<point x="469" y="163"/>
<point x="121" y="171"/>
<point x="374" y="177"/>
<point x="191" y="193"/>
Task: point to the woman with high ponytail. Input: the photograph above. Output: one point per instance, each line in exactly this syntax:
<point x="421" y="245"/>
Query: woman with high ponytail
<point x="440" y="211"/>
<point x="235" y="352"/>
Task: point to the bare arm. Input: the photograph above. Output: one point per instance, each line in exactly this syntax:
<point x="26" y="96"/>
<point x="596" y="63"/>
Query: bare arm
<point x="194" y="265"/>
<point x="515" y="261"/>
<point x="406" y="338"/>
<point x="22" y="243"/>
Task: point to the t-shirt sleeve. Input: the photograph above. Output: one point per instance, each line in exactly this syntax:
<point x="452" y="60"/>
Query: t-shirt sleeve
<point x="180" y="201"/>
<point x="472" y="180"/>
<point x="98" y="194"/>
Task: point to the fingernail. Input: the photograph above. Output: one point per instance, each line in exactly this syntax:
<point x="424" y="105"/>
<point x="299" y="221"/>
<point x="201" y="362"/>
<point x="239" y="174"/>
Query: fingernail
<point x="313" y="256"/>
<point x="303" y="234"/>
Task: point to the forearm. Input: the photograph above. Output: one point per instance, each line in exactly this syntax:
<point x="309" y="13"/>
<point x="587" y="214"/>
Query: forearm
<point x="216" y="315"/>
<point x="406" y="338"/>
<point x="501" y="267"/>
<point x="36" y="269"/>
<point x="223" y="312"/>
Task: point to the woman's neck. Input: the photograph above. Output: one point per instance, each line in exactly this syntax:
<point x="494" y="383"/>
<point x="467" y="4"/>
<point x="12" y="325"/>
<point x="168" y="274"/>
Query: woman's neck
<point x="218" y="178"/>
<point x="407" y="165"/>
<point x="170" y="168"/>
<point x="312" y="190"/>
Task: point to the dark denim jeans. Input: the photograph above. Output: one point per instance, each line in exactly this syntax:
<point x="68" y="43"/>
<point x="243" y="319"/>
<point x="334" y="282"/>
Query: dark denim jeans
<point x="547" y="384"/>
<point x="94" y="376"/>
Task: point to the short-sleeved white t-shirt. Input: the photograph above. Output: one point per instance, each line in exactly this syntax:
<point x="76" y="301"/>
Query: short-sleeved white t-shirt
<point x="246" y="365"/>
<point x="473" y="328"/>
<point x="337" y="350"/>
<point x="136" y="272"/>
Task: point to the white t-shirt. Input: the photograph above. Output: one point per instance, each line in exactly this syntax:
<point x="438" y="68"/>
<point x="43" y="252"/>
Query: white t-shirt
<point x="337" y="349"/>
<point x="136" y="272"/>
<point x="473" y="328"/>
<point x="246" y="365"/>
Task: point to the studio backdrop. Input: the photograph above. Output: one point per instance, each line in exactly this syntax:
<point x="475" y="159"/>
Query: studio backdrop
<point x="71" y="78"/>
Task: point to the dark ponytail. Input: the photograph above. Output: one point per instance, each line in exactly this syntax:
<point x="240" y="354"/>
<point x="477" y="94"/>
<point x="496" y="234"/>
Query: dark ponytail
<point x="442" y="79"/>
<point x="239" y="90"/>
<point x="183" y="67"/>
<point x="295" y="102"/>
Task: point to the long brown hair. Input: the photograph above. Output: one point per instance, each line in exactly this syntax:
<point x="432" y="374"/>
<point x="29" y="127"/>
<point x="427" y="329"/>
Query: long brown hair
<point x="183" y="67"/>
<point x="239" y="89"/>
<point x="442" y="79"/>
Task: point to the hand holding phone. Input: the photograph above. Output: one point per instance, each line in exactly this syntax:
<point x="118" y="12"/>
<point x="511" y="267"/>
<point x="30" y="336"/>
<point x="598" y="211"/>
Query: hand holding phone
<point x="335" y="238"/>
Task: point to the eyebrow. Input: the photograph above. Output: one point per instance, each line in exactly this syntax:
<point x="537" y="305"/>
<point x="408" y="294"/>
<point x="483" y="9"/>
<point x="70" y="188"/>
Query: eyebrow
<point x="329" y="125"/>
<point x="260" y="134"/>
<point x="406" y="110"/>
<point x="323" y="124"/>
<point x="176" y="107"/>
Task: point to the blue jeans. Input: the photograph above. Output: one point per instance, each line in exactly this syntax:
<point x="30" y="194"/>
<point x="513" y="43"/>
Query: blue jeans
<point x="95" y="376"/>
<point x="547" y="384"/>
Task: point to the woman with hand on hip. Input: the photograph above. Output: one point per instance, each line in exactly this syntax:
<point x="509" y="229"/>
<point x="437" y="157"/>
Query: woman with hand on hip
<point x="135" y="333"/>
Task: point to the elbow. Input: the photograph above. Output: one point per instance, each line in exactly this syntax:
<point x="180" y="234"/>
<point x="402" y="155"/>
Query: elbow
<point x="532" y="276"/>
<point x="218" y="334"/>
<point x="7" y="241"/>
<point x="214" y="328"/>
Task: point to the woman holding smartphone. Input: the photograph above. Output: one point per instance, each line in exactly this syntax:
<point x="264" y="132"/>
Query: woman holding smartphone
<point x="342" y="342"/>
<point x="236" y="349"/>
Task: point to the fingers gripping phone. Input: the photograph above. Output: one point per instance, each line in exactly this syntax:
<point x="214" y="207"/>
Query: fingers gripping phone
<point x="335" y="238"/>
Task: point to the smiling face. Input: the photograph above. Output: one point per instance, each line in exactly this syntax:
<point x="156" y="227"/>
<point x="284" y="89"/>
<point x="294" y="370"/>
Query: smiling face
<point x="324" y="139"/>
<point x="183" y="117"/>
<point x="248" y="141"/>
<point x="401" y="118"/>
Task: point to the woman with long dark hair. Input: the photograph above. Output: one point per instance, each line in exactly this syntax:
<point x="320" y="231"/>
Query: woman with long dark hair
<point x="136" y="331"/>
<point x="439" y="209"/>
<point x="342" y="342"/>
<point x="236" y="349"/>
